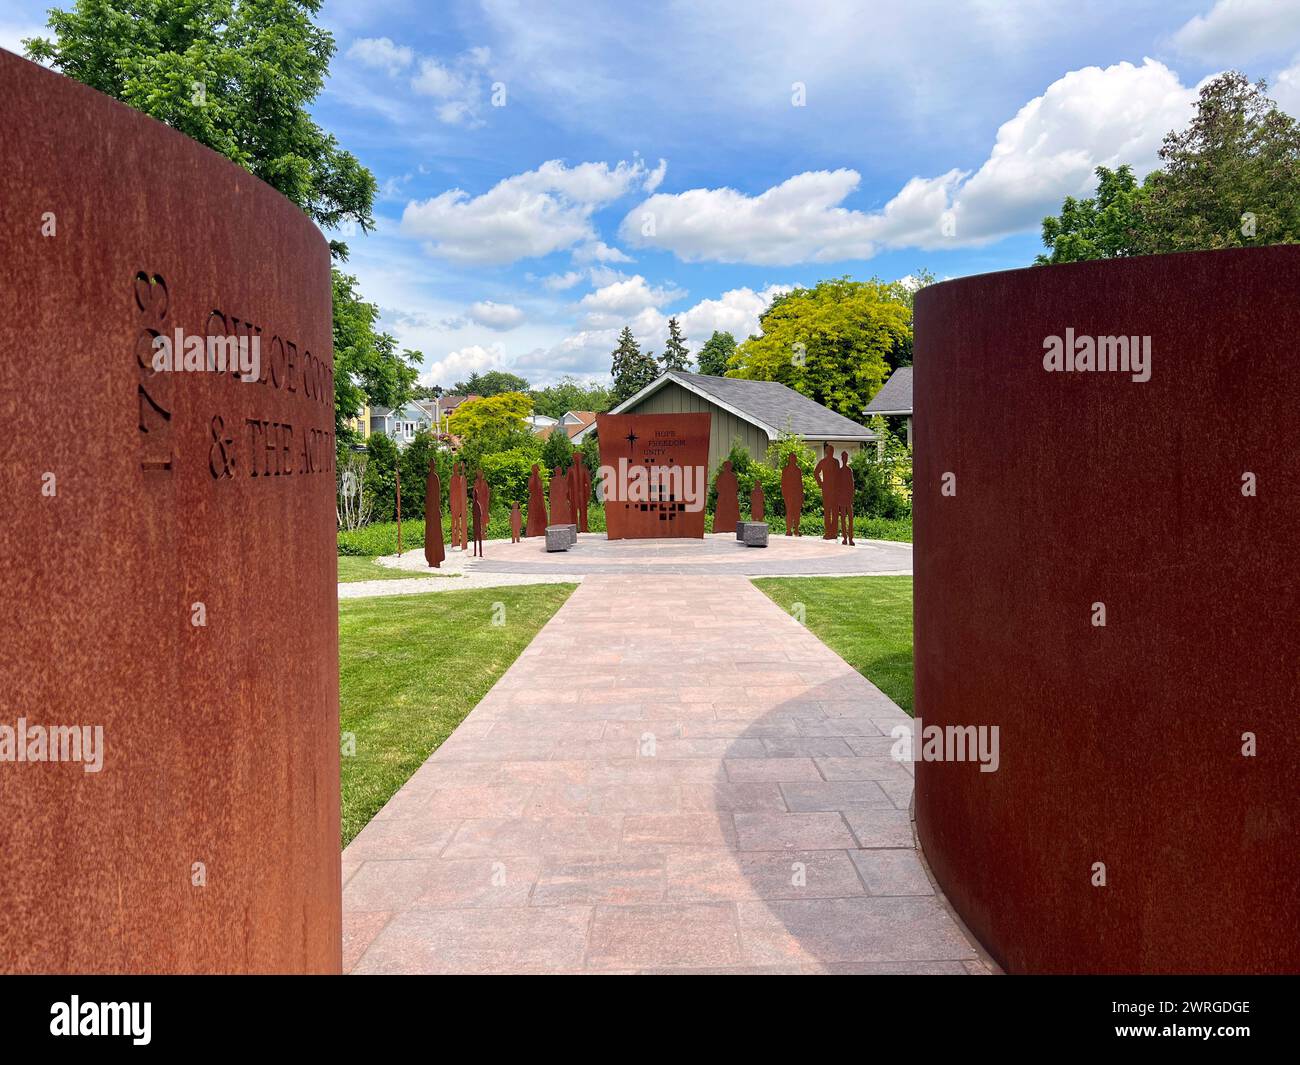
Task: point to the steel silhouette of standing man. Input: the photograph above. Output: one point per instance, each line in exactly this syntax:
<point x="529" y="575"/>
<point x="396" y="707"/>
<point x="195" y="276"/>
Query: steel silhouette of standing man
<point x="457" y="504"/>
<point x="826" y="475"/>
<point x="433" y="549"/>
<point x="756" y="502"/>
<point x="792" y="494"/>
<point x="847" y="489"/>
<point x="478" y="525"/>
<point x="536" y="504"/>
<point x="559" y="498"/>
<point x="727" y="510"/>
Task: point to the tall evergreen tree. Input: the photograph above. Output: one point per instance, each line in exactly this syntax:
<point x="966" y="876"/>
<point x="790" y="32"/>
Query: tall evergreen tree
<point x="715" y="354"/>
<point x="676" y="356"/>
<point x="632" y="368"/>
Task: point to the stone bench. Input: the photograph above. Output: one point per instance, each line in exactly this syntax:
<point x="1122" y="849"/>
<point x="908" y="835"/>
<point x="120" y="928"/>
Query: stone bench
<point x="752" y="533"/>
<point x="558" y="538"/>
<point x="573" y="532"/>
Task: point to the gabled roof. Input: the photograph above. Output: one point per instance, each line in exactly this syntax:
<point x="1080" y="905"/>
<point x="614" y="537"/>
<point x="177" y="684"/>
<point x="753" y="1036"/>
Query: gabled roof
<point x="895" y="395"/>
<point x="769" y="405"/>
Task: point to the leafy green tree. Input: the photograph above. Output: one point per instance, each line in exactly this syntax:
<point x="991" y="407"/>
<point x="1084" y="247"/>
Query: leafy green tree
<point x="414" y="460"/>
<point x="1106" y="226"/>
<point x="676" y="356"/>
<point x="496" y="418"/>
<point x="381" y="476"/>
<point x="571" y="394"/>
<point x="833" y="342"/>
<point x="239" y="76"/>
<point x="716" y="354"/>
<point x="558" y="449"/>
<point x="507" y="473"/>
<point x="590" y="452"/>
<point x="236" y="75"/>
<point x="632" y="369"/>
<point x="492" y="383"/>
<point x="1231" y="179"/>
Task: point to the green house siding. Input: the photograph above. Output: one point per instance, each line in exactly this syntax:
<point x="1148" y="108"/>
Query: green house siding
<point x="725" y="427"/>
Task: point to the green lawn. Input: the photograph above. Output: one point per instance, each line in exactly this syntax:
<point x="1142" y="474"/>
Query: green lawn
<point x="867" y="621"/>
<point x="411" y="668"/>
<point x="359" y="568"/>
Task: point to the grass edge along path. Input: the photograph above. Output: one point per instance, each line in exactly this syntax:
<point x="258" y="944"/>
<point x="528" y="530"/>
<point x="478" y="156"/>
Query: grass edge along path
<point x="412" y="667"/>
<point x="867" y="621"/>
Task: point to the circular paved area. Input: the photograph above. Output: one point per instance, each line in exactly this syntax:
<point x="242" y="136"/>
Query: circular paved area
<point x="528" y="562"/>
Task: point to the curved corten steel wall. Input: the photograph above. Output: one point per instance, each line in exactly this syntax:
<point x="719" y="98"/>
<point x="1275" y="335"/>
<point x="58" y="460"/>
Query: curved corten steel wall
<point x="168" y="555"/>
<point x="1123" y="744"/>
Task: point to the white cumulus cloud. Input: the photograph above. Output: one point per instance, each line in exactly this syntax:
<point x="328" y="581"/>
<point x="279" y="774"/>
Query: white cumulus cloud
<point x="1087" y="118"/>
<point x="1238" y="31"/>
<point x="524" y="216"/>
<point x="499" y="316"/>
<point x="381" y="53"/>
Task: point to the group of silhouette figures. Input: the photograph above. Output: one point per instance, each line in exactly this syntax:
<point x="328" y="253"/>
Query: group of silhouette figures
<point x="470" y="507"/>
<point x="570" y="492"/>
<point x="833" y="476"/>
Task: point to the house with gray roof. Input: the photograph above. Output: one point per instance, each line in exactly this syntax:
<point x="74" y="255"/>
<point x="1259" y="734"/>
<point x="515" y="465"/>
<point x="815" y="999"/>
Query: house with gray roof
<point x="894" y="399"/>
<point x="753" y="412"/>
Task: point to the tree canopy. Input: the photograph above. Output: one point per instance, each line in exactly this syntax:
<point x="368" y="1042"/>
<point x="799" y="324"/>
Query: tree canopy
<point x="568" y="394"/>
<point x="1230" y="179"/>
<point x="498" y="417"/>
<point x="676" y="356"/>
<point x="632" y="368"/>
<point x="492" y="383"/>
<point x="833" y="342"/>
<point x="236" y="75"/>
<point x="715" y="354"/>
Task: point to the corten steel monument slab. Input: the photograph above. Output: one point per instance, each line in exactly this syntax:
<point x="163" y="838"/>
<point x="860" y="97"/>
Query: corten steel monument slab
<point x="169" y="553"/>
<point x="1044" y="496"/>
<point x="654" y="474"/>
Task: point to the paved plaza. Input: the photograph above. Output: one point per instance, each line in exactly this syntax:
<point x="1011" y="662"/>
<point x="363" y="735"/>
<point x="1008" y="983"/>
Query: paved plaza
<point x="675" y="776"/>
<point x="528" y="562"/>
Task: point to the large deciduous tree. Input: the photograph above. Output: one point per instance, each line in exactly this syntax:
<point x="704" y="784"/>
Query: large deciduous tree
<point x="492" y="383"/>
<point x="1230" y="179"/>
<point x="833" y="342"/>
<point x="716" y="354"/>
<point x="568" y="394"/>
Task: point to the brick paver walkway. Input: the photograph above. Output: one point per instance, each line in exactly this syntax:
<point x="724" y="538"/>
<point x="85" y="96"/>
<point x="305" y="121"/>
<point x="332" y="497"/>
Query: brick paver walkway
<point x="675" y="775"/>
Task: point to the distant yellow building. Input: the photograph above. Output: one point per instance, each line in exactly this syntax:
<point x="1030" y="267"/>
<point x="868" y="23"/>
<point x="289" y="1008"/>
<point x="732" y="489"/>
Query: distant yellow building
<point x="361" y="423"/>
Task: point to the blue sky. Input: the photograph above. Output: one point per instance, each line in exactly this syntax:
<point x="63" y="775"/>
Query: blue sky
<point x="551" y="172"/>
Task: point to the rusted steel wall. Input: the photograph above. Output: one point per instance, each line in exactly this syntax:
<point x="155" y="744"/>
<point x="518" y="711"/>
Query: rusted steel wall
<point x="168" y="554"/>
<point x="1120" y="744"/>
<point x="672" y="452"/>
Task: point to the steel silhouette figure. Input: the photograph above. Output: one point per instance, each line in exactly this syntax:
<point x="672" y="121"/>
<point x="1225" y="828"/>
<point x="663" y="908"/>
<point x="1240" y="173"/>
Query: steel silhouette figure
<point x="434" y="553"/>
<point x="756" y="503"/>
<point x="536" y="504"/>
<point x="792" y="494"/>
<point x="579" y="492"/>
<point x="516" y="523"/>
<point x="847" y="488"/>
<point x="826" y="474"/>
<point x="457" y="503"/>
<point x="483" y="492"/>
<point x="559" y="498"/>
<point x="727" y="510"/>
<point x="478" y="527"/>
